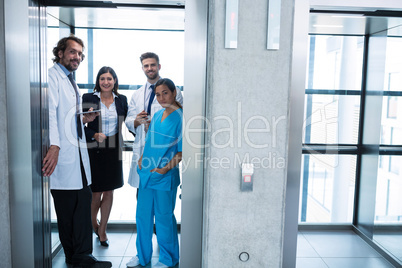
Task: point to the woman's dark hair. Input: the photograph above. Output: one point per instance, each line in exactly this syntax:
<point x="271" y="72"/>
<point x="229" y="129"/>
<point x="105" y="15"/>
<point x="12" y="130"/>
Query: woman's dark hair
<point x="62" y="45"/>
<point x="170" y="85"/>
<point x="103" y="70"/>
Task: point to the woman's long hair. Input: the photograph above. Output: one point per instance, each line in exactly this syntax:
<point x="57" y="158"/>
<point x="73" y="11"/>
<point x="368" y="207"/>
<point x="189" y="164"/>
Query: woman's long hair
<point x="103" y="70"/>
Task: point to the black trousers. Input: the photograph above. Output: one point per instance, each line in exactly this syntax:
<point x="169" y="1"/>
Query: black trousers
<point x="73" y="210"/>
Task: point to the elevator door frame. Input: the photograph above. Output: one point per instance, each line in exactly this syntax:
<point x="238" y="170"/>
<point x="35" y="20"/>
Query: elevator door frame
<point x="195" y="66"/>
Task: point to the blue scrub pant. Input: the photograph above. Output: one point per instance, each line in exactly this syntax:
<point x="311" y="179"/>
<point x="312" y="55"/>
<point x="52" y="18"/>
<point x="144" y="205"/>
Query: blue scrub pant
<point x="160" y="204"/>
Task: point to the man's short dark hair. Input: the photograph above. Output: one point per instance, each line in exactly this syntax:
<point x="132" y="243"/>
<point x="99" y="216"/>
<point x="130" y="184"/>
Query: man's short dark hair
<point x="148" y="55"/>
<point x="62" y="45"/>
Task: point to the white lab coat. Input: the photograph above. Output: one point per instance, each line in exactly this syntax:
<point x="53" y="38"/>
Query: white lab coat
<point x="63" y="133"/>
<point x="135" y="107"/>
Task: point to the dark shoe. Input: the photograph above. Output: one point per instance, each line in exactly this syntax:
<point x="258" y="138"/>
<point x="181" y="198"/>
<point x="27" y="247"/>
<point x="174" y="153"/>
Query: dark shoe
<point x="102" y="264"/>
<point x="104" y="243"/>
<point x="97" y="264"/>
<point x="83" y="259"/>
<point x="89" y="261"/>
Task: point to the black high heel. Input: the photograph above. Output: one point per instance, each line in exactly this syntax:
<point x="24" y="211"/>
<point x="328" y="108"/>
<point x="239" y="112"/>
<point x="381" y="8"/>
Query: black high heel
<point x="104" y="243"/>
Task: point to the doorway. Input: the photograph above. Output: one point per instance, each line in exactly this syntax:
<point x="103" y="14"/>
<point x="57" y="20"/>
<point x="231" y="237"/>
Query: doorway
<point x="131" y="33"/>
<point x="350" y="155"/>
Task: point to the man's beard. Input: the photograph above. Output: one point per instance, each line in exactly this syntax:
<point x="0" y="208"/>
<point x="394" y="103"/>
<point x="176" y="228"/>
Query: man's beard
<point x="69" y="65"/>
<point x="152" y="76"/>
<point x="71" y="68"/>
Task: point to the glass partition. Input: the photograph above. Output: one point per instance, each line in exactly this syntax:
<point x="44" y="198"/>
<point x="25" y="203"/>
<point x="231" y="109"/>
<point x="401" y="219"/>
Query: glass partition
<point x="331" y="128"/>
<point x="333" y="119"/>
<point x="328" y="188"/>
<point x="335" y="62"/>
<point x="388" y="209"/>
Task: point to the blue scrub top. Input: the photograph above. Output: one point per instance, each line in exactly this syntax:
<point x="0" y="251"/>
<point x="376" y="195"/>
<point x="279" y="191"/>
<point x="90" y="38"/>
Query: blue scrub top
<point x="162" y="142"/>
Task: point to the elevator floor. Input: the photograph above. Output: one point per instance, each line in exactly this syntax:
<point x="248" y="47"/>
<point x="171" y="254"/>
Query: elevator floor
<point x="121" y="249"/>
<point x="315" y="249"/>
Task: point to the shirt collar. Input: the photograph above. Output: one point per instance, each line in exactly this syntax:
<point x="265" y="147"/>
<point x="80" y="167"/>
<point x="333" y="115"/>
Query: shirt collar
<point x="147" y="84"/>
<point x="67" y="72"/>
<point x="98" y="94"/>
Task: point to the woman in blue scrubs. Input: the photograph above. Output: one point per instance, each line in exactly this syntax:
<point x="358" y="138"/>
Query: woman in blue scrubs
<point x="159" y="178"/>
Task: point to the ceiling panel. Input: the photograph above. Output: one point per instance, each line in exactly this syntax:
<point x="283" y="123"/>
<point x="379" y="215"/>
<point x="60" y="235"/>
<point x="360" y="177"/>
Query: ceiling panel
<point x="118" y="18"/>
<point x="133" y="2"/>
<point x="153" y="2"/>
<point x="351" y="24"/>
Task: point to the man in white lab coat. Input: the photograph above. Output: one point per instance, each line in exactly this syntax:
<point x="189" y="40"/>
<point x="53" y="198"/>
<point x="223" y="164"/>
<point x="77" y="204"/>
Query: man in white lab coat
<point x="141" y="110"/>
<point x="67" y="161"/>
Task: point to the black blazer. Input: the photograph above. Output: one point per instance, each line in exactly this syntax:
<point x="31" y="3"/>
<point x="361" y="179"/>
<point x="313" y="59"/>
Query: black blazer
<point x="90" y="100"/>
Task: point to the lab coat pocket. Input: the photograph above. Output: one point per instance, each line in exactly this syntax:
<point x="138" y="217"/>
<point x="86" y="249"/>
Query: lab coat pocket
<point x="67" y="154"/>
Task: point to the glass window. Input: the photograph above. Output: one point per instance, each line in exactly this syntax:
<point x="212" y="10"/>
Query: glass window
<point x="388" y="209"/>
<point x="391" y="128"/>
<point x="327" y="190"/>
<point x="389" y="189"/>
<point x="335" y="62"/>
<point x="331" y="119"/>
<point x="121" y="50"/>
<point x="391" y="119"/>
<point x="393" y="66"/>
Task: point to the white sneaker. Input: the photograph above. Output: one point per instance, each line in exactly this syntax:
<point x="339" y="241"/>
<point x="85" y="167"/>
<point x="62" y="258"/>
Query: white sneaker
<point x="133" y="262"/>
<point x="160" y="265"/>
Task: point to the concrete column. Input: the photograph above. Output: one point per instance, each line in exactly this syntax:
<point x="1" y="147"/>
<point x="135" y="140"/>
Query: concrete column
<point x="5" y="237"/>
<point x="247" y="115"/>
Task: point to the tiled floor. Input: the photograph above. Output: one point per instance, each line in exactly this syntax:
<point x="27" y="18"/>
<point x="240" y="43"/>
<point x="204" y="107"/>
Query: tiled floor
<point x="315" y="249"/>
<point x="121" y="249"/>
<point x="391" y="241"/>
<point x="336" y="249"/>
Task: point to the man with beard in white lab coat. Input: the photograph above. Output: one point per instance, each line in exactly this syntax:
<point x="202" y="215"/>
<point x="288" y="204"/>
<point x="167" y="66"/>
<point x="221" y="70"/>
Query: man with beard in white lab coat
<point x="67" y="161"/>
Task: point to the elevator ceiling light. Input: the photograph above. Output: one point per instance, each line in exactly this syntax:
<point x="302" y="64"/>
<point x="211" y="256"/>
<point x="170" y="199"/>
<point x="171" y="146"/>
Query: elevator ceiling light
<point x="349" y="16"/>
<point x="151" y="2"/>
<point x="327" y="26"/>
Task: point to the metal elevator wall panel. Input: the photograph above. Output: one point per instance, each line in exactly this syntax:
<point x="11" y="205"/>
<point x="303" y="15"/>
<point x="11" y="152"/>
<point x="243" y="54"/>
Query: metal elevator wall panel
<point x="25" y="32"/>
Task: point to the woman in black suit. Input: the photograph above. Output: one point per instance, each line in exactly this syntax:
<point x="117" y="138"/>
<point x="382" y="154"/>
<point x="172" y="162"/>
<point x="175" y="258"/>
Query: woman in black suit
<point x="105" y="143"/>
